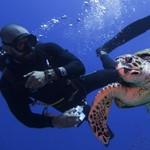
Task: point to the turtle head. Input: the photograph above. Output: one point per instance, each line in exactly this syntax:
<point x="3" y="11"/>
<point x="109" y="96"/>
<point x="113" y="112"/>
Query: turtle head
<point x="132" y="69"/>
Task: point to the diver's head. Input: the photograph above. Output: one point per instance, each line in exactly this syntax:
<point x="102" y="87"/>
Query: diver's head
<point x="17" y="41"/>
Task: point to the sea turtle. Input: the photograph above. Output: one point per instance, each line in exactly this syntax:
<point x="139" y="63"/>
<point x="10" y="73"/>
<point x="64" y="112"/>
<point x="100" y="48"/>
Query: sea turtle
<point x="134" y="90"/>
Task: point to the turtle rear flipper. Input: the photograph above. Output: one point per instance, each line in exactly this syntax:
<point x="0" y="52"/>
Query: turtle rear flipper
<point x="148" y="107"/>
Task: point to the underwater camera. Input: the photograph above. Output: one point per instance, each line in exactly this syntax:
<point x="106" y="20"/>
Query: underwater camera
<point x="76" y="112"/>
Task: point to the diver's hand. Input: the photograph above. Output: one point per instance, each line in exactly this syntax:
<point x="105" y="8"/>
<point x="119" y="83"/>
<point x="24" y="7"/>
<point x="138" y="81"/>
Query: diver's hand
<point x="63" y="121"/>
<point x="36" y="79"/>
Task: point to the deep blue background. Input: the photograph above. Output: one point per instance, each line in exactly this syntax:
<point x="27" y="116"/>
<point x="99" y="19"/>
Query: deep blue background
<point x="99" y="21"/>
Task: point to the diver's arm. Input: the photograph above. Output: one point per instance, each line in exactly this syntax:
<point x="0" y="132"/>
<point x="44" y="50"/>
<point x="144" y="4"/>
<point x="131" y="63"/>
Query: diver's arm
<point x="65" y="64"/>
<point x="62" y="65"/>
<point x="19" y="106"/>
<point x="129" y="32"/>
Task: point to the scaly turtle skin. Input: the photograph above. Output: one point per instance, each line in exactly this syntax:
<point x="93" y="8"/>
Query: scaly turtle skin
<point x="133" y="91"/>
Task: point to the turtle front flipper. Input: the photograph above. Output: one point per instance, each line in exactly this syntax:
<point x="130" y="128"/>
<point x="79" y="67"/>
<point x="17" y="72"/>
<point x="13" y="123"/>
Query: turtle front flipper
<point x="99" y="112"/>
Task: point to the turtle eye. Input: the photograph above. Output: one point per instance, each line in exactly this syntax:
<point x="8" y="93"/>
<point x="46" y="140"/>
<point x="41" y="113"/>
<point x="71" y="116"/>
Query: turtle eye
<point x="117" y="58"/>
<point x="129" y="59"/>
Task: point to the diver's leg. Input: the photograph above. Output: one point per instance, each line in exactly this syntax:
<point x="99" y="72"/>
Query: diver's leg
<point x="129" y="32"/>
<point x="107" y="62"/>
<point x="98" y="79"/>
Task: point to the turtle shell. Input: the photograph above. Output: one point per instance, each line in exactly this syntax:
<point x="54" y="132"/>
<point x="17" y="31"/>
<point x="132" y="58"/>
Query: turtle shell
<point x="144" y="54"/>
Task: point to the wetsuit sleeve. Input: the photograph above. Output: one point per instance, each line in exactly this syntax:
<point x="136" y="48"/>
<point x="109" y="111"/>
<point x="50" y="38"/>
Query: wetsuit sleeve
<point x="65" y="63"/>
<point x="129" y="32"/>
<point x="20" y="107"/>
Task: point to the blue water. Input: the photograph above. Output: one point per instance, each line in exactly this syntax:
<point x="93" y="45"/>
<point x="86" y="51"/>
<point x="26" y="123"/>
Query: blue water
<point x="79" y="26"/>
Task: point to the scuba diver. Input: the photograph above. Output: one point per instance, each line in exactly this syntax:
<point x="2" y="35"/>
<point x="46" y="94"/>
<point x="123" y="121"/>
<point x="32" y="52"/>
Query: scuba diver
<point x="129" y="32"/>
<point x="46" y="74"/>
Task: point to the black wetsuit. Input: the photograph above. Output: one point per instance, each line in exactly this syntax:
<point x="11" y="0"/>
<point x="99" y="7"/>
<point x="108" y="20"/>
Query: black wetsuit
<point x="60" y="94"/>
<point x="129" y="32"/>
